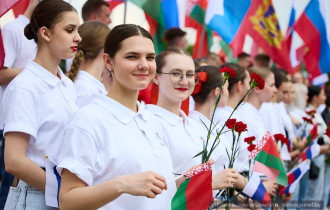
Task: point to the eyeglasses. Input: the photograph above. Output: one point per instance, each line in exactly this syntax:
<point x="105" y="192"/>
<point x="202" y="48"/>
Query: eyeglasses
<point x="177" y="76"/>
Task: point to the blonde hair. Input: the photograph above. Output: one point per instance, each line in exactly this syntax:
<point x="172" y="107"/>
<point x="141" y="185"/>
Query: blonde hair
<point x="93" y="35"/>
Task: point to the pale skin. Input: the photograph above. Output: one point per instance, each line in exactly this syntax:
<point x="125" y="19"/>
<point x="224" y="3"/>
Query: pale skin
<point x="132" y="68"/>
<point x="48" y="56"/>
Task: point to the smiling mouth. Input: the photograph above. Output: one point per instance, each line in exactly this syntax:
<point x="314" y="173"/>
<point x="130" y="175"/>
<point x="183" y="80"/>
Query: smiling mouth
<point x="142" y="76"/>
<point x="182" y="89"/>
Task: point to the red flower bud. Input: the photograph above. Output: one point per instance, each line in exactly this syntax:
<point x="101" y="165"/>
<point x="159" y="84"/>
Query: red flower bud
<point x="231" y="123"/>
<point x="250" y="139"/>
<point x="229" y="72"/>
<point x="251" y="147"/>
<point x="258" y="80"/>
<point x="240" y="127"/>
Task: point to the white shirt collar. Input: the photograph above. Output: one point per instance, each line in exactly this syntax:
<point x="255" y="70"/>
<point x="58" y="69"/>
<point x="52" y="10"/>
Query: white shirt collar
<point x="45" y="75"/>
<point x="119" y="111"/>
<point x="168" y="116"/>
<point x="97" y="83"/>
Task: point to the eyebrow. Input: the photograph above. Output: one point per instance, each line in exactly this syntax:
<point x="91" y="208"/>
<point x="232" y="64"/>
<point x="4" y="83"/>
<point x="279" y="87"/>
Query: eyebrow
<point x="136" y="53"/>
<point x="71" y="25"/>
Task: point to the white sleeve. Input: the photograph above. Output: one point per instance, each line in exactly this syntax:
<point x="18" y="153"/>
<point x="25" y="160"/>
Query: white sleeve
<point x="10" y="47"/>
<point x="79" y="155"/>
<point x="21" y="108"/>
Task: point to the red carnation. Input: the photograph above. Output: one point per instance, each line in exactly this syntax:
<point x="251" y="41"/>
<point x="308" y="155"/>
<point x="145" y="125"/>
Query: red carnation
<point x="327" y="132"/>
<point x="251" y="147"/>
<point x="240" y="127"/>
<point x="250" y="139"/>
<point x="285" y="141"/>
<point x="278" y="137"/>
<point x="257" y="81"/>
<point x="307" y="120"/>
<point x="311" y="113"/>
<point x="229" y="72"/>
<point x="231" y="123"/>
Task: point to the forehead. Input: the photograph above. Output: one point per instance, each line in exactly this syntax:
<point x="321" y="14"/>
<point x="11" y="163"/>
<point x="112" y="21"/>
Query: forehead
<point x="105" y="9"/>
<point x="137" y="44"/>
<point x="179" y="61"/>
<point x="69" y="18"/>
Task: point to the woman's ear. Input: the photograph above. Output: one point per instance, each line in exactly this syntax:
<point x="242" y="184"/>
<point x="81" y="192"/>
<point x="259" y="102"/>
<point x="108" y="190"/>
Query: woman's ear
<point x="216" y="92"/>
<point x="45" y="33"/>
<point x="239" y="86"/>
<point x="107" y="62"/>
<point x="155" y="79"/>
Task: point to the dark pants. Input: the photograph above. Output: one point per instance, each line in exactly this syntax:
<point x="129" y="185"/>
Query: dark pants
<point x="7" y="179"/>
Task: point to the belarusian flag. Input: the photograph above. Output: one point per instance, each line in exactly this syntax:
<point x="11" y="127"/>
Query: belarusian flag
<point x="195" y="193"/>
<point x="195" y="19"/>
<point x="312" y="135"/>
<point x="155" y="18"/>
<point x="269" y="163"/>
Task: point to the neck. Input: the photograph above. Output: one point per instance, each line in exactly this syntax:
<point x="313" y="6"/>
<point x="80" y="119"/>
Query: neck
<point x="315" y="105"/>
<point x="206" y="108"/>
<point x="125" y="97"/>
<point x="171" y="106"/>
<point x="45" y="59"/>
<point x="94" y="68"/>
<point x="233" y="100"/>
<point x="254" y="100"/>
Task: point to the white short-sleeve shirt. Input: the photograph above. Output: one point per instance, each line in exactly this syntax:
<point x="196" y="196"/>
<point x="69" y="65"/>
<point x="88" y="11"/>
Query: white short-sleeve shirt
<point x="87" y="87"/>
<point x="18" y="50"/>
<point x="183" y="137"/>
<point x="106" y="140"/>
<point x="40" y="104"/>
<point x="219" y="154"/>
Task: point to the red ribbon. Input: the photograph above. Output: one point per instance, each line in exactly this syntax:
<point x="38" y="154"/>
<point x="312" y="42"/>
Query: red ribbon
<point x="202" y="78"/>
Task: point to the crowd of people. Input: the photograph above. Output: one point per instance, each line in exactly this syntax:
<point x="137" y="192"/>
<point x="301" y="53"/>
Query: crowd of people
<point x="109" y="150"/>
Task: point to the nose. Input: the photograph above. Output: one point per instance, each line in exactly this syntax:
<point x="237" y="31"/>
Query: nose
<point x="77" y="38"/>
<point x="143" y="65"/>
<point x="183" y="79"/>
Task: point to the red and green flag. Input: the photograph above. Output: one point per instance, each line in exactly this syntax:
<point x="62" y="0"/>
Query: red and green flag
<point x="312" y="135"/>
<point x="154" y="15"/>
<point x="196" y="192"/>
<point x="195" y="19"/>
<point x="269" y="163"/>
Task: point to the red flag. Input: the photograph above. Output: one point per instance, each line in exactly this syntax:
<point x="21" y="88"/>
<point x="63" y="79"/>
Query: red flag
<point x="6" y="5"/>
<point x="2" y="51"/>
<point x="263" y="26"/>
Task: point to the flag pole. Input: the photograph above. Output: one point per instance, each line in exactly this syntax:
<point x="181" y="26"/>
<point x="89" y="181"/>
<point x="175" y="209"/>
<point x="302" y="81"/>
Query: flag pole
<point x="125" y="10"/>
<point x="201" y="42"/>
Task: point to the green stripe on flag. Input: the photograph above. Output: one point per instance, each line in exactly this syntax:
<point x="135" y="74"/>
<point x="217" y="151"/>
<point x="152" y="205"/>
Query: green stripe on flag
<point x="198" y="13"/>
<point x="179" y="201"/>
<point x="273" y="162"/>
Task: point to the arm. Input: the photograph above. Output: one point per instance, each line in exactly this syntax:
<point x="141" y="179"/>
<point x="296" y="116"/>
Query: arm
<point x="18" y="164"/>
<point x="8" y="74"/>
<point x="75" y="194"/>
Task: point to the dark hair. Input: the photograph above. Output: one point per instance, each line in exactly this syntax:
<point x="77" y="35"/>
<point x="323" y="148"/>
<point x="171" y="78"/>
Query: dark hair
<point x="214" y="80"/>
<point x="327" y="93"/>
<point x="240" y="74"/>
<point x="313" y="91"/>
<point x="280" y="77"/>
<point x="262" y="59"/>
<point x="47" y="13"/>
<point x="172" y="34"/>
<point x="121" y="32"/>
<point x="160" y="59"/>
<point x="92" y="6"/>
<point x="93" y="35"/>
<point x="242" y="56"/>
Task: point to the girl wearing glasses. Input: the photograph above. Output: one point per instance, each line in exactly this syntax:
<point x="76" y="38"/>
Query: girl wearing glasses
<point x="117" y="160"/>
<point x="176" y="79"/>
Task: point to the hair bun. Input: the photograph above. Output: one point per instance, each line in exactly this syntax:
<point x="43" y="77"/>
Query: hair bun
<point x="28" y="32"/>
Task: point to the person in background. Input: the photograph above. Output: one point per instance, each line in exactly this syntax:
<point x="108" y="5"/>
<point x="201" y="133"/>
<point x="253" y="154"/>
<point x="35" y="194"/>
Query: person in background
<point x="118" y="160"/>
<point x="98" y="10"/>
<point x="213" y="59"/>
<point x="18" y="50"/>
<point x="262" y="60"/>
<point x="88" y="67"/>
<point x="244" y="60"/>
<point x="175" y="37"/>
<point x="39" y="102"/>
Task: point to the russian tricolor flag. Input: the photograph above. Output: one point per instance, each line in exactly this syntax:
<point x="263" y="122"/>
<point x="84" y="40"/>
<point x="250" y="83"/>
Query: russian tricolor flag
<point x="310" y="152"/>
<point x="294" y="177"/>
<point x="256" y="190"/>
<point x="314" y="31"/>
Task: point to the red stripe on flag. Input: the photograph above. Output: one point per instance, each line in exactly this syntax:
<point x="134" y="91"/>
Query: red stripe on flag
<point x="199" y="191"/>
<point x="269" y="172"/>
<point x="312" y="39"/>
